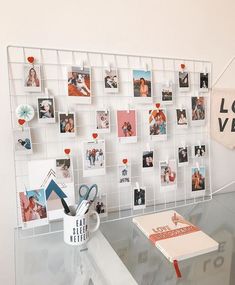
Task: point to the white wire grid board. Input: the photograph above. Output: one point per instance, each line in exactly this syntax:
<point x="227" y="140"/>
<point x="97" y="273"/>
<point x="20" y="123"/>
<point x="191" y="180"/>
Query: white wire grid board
<point x="47" y="143"/>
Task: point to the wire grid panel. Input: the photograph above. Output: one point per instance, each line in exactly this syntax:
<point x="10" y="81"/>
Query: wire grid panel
<point x="48" y="144"/>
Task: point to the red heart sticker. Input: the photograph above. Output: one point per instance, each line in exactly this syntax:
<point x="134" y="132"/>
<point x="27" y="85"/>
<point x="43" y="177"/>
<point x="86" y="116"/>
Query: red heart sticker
<point x="30" y="59"/>
<point x="94" y="135"/>
<point x="158" y="105"/>
<point x="182" y="65"/>
<point x="67" y="151"/>
<point x="21" y="122"/>
<point x="125" y="160"/>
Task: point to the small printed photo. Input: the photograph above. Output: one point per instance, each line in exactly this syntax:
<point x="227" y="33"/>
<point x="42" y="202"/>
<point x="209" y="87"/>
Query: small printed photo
<point x="204" y="82"/>
<point x="147" y="159"/>
<point x="23" y="141"/>
<point x="198" y="109"/>
<point x="139" y="198"/>
<point x="33" y="208"/>
<point x="100" y="205"/>
<point x="67" y="124"/>
<point x="79" y="84"/>
<point x="124" y="175"/>
<point x="46" y="110"/>
<point x="111" y="81"/>
<point x="199" y="151"/>
<point x="32" y="78"/>
<point x="127" y="126"/>
<point x="198" y="178"/>
<point x="142" y="85"/>
<point x="182" y="121"/>
<point x="167" y="95"/>
<point x="64" y="171"/>
<point x="158" y="124"/>
<point x="183" y="155"/>
<point x="93" y="158"/>
<point x="103" y="121"/>
<point x="183" y="81"/>
<point x="168" y="174"/>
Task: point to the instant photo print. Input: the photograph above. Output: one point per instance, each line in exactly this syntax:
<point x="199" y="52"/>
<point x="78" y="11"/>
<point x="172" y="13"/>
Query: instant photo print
<point x="127" y="126"/>
<point x="183" y="156"/>
<point x="167" y="94"/>
<point x="124" y="175"/>
<point x="142" y="86"/>
<point x="79" y="85"/>
<point x="139" y="198"/>
<point x="147" y="160"/>
<point x="157" y="120"/>
<point x="181" y="118"/>
<point x="46" y="110"/>
<point x="32" y="78"/>
<point x="67" y="124"/>
<point x="198" y="176"/>
<point x="168" y="175"/>
<point x="102" y="121"/>
<point x="111" y="83"/>
<point x="198" y="111"/>
<point x="203" y="82"/>
<point x="184" y="81"/>
<point x="199" y="151"/>
<point x="93" y="158"/>
<point x="100" y="205"/>
<point x="23" y="141"/>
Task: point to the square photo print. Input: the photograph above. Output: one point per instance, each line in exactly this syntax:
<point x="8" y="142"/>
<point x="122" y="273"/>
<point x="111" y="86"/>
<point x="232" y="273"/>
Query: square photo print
<point x="33" y="208"/>
<point x="32" y="78"/>
<point x="100" y="205"/>
<point x="111" y="81"/>
<point x="93" y="158"/>
<point x="139" y="198"/>
<point x="79" y="84"/>
<point x="198" y="110"/>
<point x="168" y="174"/>
<point x="142" y="86"/>
<point x="199" y="151"/>
<point x="203" y="82"/>
<point x="23" y="141"/>
<point x="124" y="175"/>
<point x="102" y="121"/>
<point x="198" y="178"/>
<point x="127" y="126"/>
<point x="181" y="116"/>
<point x="67" y="126"/>
<point x="46" y="110"/>
<point x="183" y="81"/>
<point x="157" y="124"/>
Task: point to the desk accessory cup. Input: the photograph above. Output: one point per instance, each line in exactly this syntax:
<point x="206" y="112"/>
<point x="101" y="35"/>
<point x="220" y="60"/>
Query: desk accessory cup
<point x="77" y="228"/>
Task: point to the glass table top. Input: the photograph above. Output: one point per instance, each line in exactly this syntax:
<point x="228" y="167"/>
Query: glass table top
<point x="148" y="266"/>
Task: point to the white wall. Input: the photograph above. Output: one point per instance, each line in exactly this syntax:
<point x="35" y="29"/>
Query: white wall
<point x="175" y="28"/>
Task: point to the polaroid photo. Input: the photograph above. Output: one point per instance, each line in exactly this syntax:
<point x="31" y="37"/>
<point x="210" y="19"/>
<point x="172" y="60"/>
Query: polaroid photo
<point x="142" y="86"/>
<point x="183" y="156"/>
<point x="102" y="121"/>
<point x="93" y="158"/>
<point x="79" y="85"/>
<point x="157" y="120"/>
<point x="44" y="174"/>
<point x="139" y="198"/>
<point x="67" y="124"/>
<point x="124" y="175"/>
<point x="33" y="208"/>
<point x="167" y="94"/>
<point x="32" y="78"/>
<point x="203" y="82"/>
<point x="198" y="175"/>
<point x="183" y="81"/>
<point x="23" y="141"/>
<point x="111" y="82"/>
<point x="199" y="151"/>
<point x="100" y="205"/>
<point x="64" y="170"/>
<point x="168" y="174"/>
<point x="127" y="126"/>
<point x="181" y="118"/>
<point x="46" y="110"/>
<point x="198" y="110"/>
<point x="147" y="160"/>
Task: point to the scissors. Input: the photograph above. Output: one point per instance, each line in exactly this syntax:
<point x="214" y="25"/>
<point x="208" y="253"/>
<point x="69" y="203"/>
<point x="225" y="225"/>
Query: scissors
<point x="88" y="193"/>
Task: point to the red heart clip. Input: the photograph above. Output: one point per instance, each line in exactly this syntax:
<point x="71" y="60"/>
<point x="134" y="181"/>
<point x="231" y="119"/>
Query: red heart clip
<point x="125" y="160"/>
<point x="67" y="151"/>
<point x="158" y="105"/>
<point x="21" y="121"/>
<point x="30" y="59"/>
<point x="182" y="66"/>
<point x="94" y="135"/>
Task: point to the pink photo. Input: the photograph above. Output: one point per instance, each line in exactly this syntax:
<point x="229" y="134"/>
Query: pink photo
<point x="127" y="126"/>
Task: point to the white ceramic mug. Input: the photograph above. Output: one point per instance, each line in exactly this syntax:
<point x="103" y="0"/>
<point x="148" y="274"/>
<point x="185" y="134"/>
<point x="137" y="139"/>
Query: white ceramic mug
<point x="77" y="228"/>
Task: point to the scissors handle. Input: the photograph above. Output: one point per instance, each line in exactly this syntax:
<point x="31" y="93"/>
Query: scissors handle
<point x="87" y="195"/>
